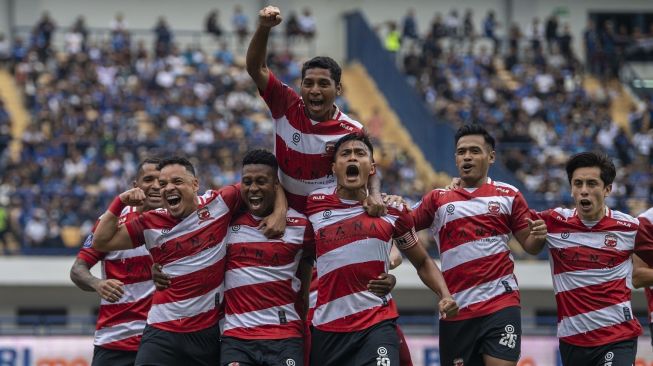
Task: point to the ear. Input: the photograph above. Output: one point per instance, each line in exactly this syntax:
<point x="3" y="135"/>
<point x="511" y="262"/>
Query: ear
<point x="339" y="89"/>
<point x="196" y="185"/>
<point x="608" y="189"/>
<point x="333" y="168"/>
<point x="373" y="169"/>
<point x="493" y="156"/>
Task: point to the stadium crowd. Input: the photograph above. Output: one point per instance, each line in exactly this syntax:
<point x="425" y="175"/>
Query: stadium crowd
<point x="97" y="108"/>
<point x="541" y="113"/>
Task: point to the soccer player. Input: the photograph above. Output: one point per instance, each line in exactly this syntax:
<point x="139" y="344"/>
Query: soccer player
<point x="306" y="126"/>
<point x="188" y="239"/>
<point x="642" y="273"/>
<point x="125" y="287"/>
<point x="472" y="225"/>
<point x="352" y="326"/>
<point x="590" y="252"/>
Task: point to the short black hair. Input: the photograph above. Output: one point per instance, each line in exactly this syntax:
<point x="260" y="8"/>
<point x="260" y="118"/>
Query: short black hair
<point x="139" y="168"/>
<point x="323" y="62"/>
<point x="261" y="156"/>
<point x="180" y="161"/>
<point x="354" y="136"/>
<point x="475" y="129"/>
<point x="590" y="160"/>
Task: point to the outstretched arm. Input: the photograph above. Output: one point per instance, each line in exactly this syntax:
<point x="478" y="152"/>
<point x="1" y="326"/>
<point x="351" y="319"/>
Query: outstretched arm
<point x="268" y="17"/>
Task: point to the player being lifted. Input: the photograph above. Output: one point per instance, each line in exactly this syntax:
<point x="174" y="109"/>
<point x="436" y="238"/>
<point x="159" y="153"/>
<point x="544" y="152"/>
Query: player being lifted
<point x="352" y="326"/>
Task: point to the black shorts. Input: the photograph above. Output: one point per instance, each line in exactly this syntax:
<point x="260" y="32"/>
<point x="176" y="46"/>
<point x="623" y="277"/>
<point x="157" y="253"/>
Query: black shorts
<point x="112" y="357"/>
<point x="466" y="341"/>
<point x="288" y="351"/>
<point x="614" y="354"/>
<point x="376" y="345"/>
<point x="163" y="348"/>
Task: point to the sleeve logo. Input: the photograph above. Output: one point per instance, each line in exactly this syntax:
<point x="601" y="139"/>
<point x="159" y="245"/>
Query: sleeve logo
<point x="89" y="241"/>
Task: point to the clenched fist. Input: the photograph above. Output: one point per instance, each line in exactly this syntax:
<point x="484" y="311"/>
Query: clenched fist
<point x="133" y="197"/>
<point x="269" y="16"/>
<point x="448" y="307"/>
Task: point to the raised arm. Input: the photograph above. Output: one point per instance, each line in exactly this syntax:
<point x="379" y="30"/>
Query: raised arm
<point x="268" y="17"/>
<point x="108" y="235"/>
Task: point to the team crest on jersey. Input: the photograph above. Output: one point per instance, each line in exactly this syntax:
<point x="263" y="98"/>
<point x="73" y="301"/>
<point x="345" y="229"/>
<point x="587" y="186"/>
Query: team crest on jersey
<point x="203" y="214"/>
<point x="89" y="241"/>
<point x="494" y="207"/>
<point x="296" y="137"/>
<point x="610" y="241"/>
<point x="165" y="231"/>
<point x="451" y="208"/>
<point x="565" y="235"/>
<point x="235" y="228"/>
<point x="458" y="362"/>
<point x="326" y="214"/>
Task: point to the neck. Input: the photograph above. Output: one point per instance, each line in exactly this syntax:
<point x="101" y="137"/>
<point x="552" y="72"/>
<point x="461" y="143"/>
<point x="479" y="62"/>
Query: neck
<point x="326" y="117"/>
<point x="473" y="183"/>
<point x="355" y="194"/>
<point x="595" y="217"/>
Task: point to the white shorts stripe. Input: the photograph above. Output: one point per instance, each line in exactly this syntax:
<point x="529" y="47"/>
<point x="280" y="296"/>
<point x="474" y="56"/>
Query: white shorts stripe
<point x="586" y="322"/>
<point x="133" y="292"/>
<point x="360" y="251"/>
<point x="484" y="291"/>
<point x="260" y="317"/>
<point x="183" y="308"/>
<point x="568" y="281"/>
<point x="472" y="250"/>
<point x="118" y="332"/>
<point x="197" y="261"/>
<point x="345" y="306"/>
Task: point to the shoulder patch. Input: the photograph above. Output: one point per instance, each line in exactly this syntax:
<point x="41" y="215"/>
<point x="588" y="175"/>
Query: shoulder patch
<point x="88" y="242"/>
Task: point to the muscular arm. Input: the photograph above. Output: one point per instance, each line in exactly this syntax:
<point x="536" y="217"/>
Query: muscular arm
<point x="642" y="274"/>
<point x="108" y="235"/>
<point x="257" y="50"/>
<point x="80" y="274"/>
<point x="428" y="272"/>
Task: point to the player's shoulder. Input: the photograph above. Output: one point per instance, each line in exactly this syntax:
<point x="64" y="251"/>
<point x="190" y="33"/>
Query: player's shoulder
<point x="624" y="218"/>
<point x="354" y="125"/>
<point x="505" y="188"/>
<point x="559" y="213"/>
<point x="648" y="215"/>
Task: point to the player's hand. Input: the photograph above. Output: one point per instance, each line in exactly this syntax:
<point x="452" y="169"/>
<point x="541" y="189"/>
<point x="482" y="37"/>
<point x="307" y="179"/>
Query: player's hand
<point x="273" y="226"/>
<point x="269" y="16"/>
<point x="383" y="284"/>
<point x="110" y="290"/>
<point x="161" y="280"/>
<point x="398" y="202"/>
<point x="448" y="307"/>
<point x="374" y="206"/>
<point x="537" y="228"/>
<point x="455" y="184"/>
<point x="133" y="197"/>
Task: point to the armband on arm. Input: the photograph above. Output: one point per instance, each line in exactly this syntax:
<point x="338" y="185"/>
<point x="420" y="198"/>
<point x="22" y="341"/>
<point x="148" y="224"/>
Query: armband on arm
<point x="407" y="240"/>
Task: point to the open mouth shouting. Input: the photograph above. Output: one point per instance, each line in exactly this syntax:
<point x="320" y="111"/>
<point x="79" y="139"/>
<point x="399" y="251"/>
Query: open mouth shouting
<point x="255" y="202"/>
<point x="585" y="204"/>
<point x="173" y="200"/>
<point x="352" y="172"/>
<point x="467" y="168"/>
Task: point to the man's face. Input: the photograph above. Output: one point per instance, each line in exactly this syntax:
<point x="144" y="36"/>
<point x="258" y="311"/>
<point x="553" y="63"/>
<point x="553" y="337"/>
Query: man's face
<point x="257" y="188"/>
<point x="353" y="165"/>
<point x="179" y="189"/>
<point x="589" y="192"/>
<point x="319" y="92"/>
<point x="148" y="181"/>
<point x="473" y="158"/>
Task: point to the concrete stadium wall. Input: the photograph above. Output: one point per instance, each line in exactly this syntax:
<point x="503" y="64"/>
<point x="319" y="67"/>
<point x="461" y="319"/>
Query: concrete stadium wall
<point x="190" y="15"/>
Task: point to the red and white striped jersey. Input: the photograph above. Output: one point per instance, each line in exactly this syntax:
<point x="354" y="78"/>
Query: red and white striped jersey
<point x="472" y="229"/>
<point x="592" y="273"/>
<point x="645" y="237"/>
<point x="192" y="252"/>
<point x="352" y="248"/>
<point x="120" y="324"/>
<point x="262" y="299"/>
<point x="303" y="146"/>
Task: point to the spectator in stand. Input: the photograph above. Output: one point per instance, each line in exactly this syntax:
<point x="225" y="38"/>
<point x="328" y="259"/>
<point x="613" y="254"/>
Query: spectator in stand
<point x="409" y="26"/>
<point x="293" y="30"/>
<point x="46" y="28"/>
<point x="307" y="24"/>
<point x="535" y="34"/>
<point x="5" y="51"/>
<point x="592" y="42"/>
<point x="79" y="27"/>
<point x="392" y="41"/>
<point x="212" y="24"/>
<point x="240" y="24"/>
<point x="565" y="41"/>
<point x="551" y="32"/>
<point x="164" y="36"/>
<point x="490" y="26"/>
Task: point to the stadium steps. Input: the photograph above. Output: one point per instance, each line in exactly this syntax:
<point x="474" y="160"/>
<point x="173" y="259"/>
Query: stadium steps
<point x="363" y="96"/>
<point x="10" y="94"/>
<point x="620" y="102"/>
